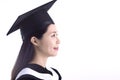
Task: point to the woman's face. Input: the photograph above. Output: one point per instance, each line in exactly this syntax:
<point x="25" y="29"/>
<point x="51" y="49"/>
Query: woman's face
<point x="49" y="44"/>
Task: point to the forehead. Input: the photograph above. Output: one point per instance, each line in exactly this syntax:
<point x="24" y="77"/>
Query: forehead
<point x="51" y="28"/>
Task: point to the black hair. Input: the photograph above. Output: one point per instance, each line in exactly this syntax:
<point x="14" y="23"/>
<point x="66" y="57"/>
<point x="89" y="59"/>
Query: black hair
<point x="27" y="51"/>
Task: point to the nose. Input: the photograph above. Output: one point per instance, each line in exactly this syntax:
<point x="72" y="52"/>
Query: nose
<point x="58" y="41"/>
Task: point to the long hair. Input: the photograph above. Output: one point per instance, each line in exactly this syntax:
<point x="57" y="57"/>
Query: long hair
<point x="25" y="55"/>
<point x="27" y="52"/>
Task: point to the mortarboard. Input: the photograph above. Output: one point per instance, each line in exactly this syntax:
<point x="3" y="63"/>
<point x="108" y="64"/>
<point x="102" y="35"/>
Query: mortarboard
<point x="30" y="22"/>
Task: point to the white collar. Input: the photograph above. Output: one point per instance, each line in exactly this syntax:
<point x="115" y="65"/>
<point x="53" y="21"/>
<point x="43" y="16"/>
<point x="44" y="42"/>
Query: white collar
<point x="43" y="76"/>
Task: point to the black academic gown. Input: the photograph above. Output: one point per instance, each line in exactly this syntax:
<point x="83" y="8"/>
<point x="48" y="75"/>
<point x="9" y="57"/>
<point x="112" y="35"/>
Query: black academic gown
<point x="37" y="72"/>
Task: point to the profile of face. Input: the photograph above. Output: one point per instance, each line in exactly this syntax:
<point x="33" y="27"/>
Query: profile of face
<point x="48" y="45"/>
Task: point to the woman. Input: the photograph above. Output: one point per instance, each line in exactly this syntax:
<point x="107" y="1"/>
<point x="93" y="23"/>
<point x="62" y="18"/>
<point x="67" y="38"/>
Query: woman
<point x="40" y="41"/>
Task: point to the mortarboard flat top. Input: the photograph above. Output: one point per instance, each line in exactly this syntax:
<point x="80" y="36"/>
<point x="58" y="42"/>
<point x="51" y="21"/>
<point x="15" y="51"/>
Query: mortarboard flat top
<point x="30" y="21"/>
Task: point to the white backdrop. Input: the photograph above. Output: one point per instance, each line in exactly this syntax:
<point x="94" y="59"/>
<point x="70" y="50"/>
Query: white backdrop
<point x="89" y="31"/>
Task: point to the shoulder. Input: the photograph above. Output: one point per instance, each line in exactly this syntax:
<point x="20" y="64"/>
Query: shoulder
<point x="28" y="77"/>
<point x="27" y="74"/>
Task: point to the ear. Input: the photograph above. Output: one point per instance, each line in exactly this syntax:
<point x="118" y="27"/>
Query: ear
<point x="34" y="41"/>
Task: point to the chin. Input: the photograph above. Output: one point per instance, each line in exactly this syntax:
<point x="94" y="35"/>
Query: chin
<point x="53" y="54"/>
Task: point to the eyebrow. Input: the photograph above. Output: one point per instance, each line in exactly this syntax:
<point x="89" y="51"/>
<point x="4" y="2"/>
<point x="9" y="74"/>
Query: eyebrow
<point x="53" y="32"/>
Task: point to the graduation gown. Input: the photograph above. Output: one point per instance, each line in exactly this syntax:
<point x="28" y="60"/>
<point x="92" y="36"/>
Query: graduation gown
<point x="37" y="72"/>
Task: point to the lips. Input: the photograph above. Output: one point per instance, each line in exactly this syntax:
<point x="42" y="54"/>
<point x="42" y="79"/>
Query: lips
<point x="56" y="48"/>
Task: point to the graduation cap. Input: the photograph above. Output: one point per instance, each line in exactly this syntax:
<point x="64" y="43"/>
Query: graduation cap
<point x="31" y="22"/>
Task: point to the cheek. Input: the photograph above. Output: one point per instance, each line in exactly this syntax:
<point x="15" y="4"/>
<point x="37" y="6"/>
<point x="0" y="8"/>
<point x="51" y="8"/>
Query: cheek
<point x="48" y="43"/>
<point x="48" y="47"/>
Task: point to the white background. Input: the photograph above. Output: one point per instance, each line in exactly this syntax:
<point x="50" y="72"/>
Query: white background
<point x="89" y="32"/>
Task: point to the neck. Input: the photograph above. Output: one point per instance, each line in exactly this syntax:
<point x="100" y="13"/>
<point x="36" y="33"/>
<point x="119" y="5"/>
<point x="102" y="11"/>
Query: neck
<point x="39" y="59"/>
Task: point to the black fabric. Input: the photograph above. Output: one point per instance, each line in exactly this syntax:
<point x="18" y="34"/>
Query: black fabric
<point x="28" y="77"/>
<point x="33" y="20"/>
<point x="60" y="78"/>
<point x="39" y="69"/>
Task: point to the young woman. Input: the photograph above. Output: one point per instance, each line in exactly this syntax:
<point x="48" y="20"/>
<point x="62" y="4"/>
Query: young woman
<point x="40" y="41"/>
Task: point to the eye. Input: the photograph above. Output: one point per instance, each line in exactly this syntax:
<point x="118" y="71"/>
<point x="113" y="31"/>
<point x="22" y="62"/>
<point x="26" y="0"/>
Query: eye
<point x="54" y="35"/>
